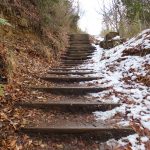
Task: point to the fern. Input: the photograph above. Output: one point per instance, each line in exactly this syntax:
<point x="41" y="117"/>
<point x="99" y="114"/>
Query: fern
<point x="4" y="22"/>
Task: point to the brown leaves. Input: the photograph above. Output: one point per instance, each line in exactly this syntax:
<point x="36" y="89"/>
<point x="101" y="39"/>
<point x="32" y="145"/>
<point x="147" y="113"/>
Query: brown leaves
<point x="131" y="51"/>
<point x="144" y="79"/>
<point x="11" y="143"/>
<point x="3" y="60"/>
<point x="136" y="51"/>
<point x="137" y="126"/>
<point x="3" y="116"/>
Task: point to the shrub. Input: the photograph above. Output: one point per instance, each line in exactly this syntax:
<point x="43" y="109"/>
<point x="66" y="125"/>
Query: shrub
<point x="57" y="14"/>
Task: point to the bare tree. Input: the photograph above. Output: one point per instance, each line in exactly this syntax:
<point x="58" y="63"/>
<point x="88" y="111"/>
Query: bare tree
<point x="114" y="16"/>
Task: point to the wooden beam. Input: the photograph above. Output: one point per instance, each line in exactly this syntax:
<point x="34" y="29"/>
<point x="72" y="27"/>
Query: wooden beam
<point x="68" y="79"/>
<point x="67" y="106"/>
<point x="69" y="90"/>
<point x="70" y="72"/>
<point x="78" y="130"/>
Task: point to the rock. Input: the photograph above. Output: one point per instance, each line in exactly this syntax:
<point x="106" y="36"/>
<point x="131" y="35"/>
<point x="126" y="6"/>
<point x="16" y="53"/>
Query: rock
<point x="111" y="35"/>
<point x="110" y="41"/>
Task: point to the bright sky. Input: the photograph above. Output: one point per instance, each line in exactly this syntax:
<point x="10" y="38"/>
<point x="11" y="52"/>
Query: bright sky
<point x="91" y="21"/>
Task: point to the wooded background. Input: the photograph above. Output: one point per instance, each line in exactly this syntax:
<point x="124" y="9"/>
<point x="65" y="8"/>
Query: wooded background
<point x="128" y="17"/>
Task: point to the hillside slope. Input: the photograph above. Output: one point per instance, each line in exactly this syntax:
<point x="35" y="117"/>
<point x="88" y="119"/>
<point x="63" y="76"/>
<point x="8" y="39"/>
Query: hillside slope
<point x="28" y="48"/>
<point x="125" y="69"/>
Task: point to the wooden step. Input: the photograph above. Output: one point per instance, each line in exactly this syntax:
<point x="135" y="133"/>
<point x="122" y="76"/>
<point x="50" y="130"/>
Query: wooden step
<point x="75" y="58"/>
<point x="68" y="79"/>
<point x="78" y="39"/>
<point x="103" y="132"/>
<point x="86" y="42"/>
<point x="69" y="65"/>
<point x="70" y="72"/>
<point x="79" y="60"/>
<point x="64" y="65"/>
<point x="69" y="69"/>
<point x="81" y="47"/>
<point x="69" y="90"/>
<point x="72" y="42"/>
<point x="79" y="50"/>
<point x="77" y="54"/>
<point x="85" y="38"/>
<point x="75" y="38"/>
<point x="78" y="35"/>
<point x="73" y="62"/>
<point x="80" y="106"/>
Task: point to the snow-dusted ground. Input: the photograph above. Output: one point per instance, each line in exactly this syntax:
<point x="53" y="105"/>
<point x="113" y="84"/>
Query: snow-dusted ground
<point x="126" y="71"/>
